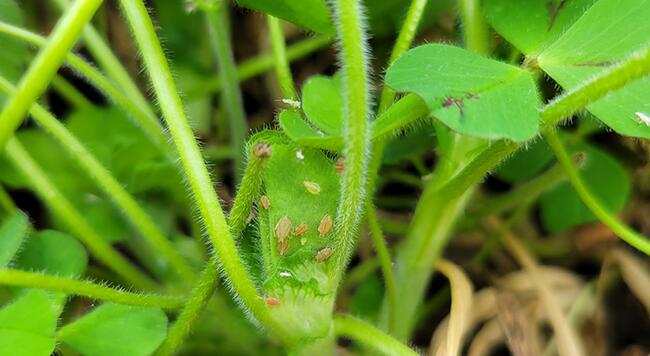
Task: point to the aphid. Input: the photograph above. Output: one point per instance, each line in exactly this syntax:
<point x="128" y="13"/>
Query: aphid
<point x="262" y="149"/>
<point x="303" y="241"/>
<point x="283" y="228"/>
<point x="324" y="254"/>
<point x="311" y="187"/>
<point x="272" y="302"/>
<point x="293" y="103"/>
<point x="266" y="203"/>
<point x="300" y="229"/>
<point x="285" y="274"/>
<point x="300" y="155"/>
<point x="644" y="118"/>
<point x="250" y="217"/>
<point x="283" y="246"/>
<point x="340" y="166"/>
<point x="325" y="226"/>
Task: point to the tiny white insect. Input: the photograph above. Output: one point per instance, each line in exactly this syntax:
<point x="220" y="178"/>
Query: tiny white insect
<point x="293" y="103"/>
<point x="643" y="117"/>
<point x="285" y="274"/>
<point x="300" y="155"/>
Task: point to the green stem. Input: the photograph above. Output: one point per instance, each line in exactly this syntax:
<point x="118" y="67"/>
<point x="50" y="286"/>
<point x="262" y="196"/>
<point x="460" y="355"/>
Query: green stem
<point x="368" y="335"/>
<point x="217" y="21"/>
<point x="6" y="203"/>
<point x="109" y="62"/>
<point x="263" y="62"/>
<point x="45" y="65"/>
<point x="111" y="187"/>
<point x="384" y="259"/>
<point x="353" y="45"/>
<point x="282" y="69"/>
<point x="73" y="218"/>
<point x="195" y="169"/>
<point x="635" y="67"/>
<point x="199" y="299"/>
<point x="402" y="44"/>
<point x="424" y="236"/>
<point x="626" y="233"/>
<point x="71" y="94"/>
<point x="17" y="278"/>
<point x="243" y="205"/>
<point x="475" y="33"/>
<point x="248" y="192"/>
<point x="144" y="119"/>
<point x="522" y="194"/>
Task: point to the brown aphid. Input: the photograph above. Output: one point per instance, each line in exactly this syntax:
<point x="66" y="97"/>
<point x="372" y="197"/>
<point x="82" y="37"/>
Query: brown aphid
<point x="262" y="149"/>
<point x="300" y="229"/>
<point x="340" y="166"/>
<point x="325" y="225"/>
<point x="250" y="217"/>
<point x="272" y="302"/>
<point x="283" y="228"/>
<point x="266" y="203"/>
<point x="324" y="254"/>
<point x="312" y="187"/>
<point x="283" y="246"/>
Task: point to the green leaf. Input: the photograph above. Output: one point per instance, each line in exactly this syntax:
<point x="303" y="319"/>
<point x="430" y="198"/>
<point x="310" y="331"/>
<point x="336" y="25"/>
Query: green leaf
<point x="606" y="178"/>
<point x="300" y="132"/>
<point x="53" y="252"/>
<point x="14" y="51"/>
<point x="610" y="31"/>
<point x="286" y="173"/>
<point x="367" y="298"/>
<point x="322" y="103"/>
<point x="113" y="329"/>
<point x="532" y="24"/>
<point x="13" y="231"/>
<point x="312" y="14"/>
<point x="526" y="163"/>
<point x="471" y="94"/>
<point x="28" y="325"/>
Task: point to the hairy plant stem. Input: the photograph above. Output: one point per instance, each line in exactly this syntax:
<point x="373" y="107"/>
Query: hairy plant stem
<point x="369" y="336"/>
<point x="111" y="187"/>
<point x="216" y="18"/>
<point x="425" y="236"/>
<point x="109" y="62"/>
<point x="191" y="312"/>
<point x="356" y="94"/>
<point x="44" y="67"/>
<point x="262" y="63"/>
<point x="626" y="233"/>
<point x="17" y="278"/>
<point x="195" y="169"/>
<point x="282" y="69"/>
<point x="248" y="191"/>
<point x="75" y="221"/>
<point x="147" y="120"/>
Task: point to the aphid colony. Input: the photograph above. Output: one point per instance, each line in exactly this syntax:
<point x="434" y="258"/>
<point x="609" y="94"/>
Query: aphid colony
<point x="284" y="229"/>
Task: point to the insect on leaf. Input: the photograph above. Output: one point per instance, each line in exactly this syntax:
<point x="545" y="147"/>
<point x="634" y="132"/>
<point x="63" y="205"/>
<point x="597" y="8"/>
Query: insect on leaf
<point x="471" y="94"/>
